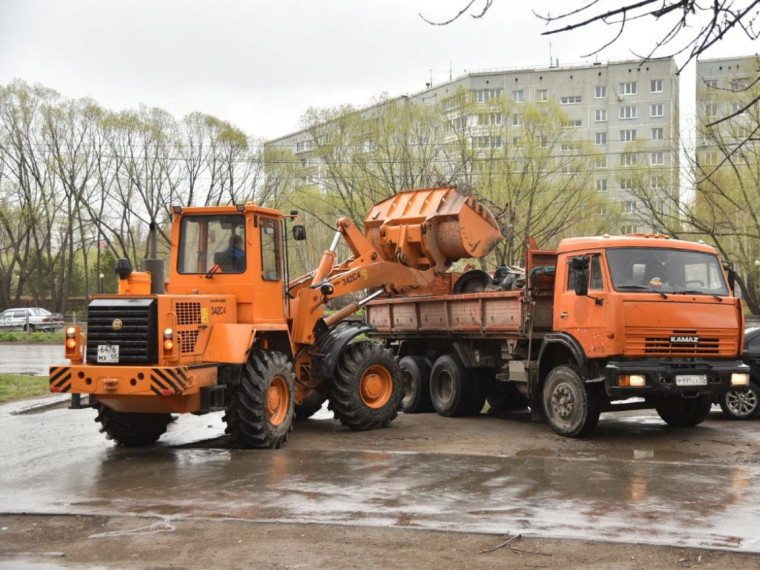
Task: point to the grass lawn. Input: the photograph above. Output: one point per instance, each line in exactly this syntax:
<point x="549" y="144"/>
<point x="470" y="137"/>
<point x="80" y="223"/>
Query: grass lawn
<point x="21" y="336"/>
<point x="20" y="386"/>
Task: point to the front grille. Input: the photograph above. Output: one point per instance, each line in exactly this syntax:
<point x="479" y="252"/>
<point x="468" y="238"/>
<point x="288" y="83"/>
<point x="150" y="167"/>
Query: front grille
<point x="189" y="340"/>
<point x="657" y="343"/>
<point x="131" y="324"/>
<point x="188" y="323"/>
<point x="188" y="313"/>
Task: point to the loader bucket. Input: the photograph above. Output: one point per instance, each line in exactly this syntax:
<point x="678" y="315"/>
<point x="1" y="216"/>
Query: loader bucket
<point x="431" y="228"/>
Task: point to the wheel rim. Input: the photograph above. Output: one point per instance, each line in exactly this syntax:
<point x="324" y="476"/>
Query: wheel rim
<point x="278" y="401"/>
<point x="376" y="386"/>
<point x="563" y="401"/>
<point x="445" y="385"/>
<point x="741" y="403"/>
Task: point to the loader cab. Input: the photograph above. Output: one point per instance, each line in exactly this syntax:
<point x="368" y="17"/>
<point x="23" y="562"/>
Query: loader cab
<point x="234" y="250"/>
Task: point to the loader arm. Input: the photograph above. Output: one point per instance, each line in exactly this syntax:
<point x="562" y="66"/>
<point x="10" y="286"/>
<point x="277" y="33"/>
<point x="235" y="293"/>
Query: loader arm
<point x="410" y="238"/>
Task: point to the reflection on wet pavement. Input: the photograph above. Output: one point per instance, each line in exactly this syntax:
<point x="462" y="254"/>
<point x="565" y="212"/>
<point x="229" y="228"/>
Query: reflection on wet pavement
<point x="638" y="496"/>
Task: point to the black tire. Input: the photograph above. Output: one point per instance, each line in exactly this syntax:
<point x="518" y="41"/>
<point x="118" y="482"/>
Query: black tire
<point x="474" y="281"/>
<point x="131" y="428"/>
<point x="570" y="409"/>
<point x="366" y="389"/>
<point x="415" y="379"/>
<point x="310" y="406"/>
<point x="29" y="328"/>
<point x="261" y="407"/>
<point x="677" y="411"/>
<point x="454" y="390"/>
<point x="741" y="403"/>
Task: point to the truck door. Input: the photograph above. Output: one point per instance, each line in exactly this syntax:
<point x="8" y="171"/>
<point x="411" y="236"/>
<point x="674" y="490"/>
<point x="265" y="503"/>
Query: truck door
<point x="268" y="295"/>
<point x="583" y="316"/>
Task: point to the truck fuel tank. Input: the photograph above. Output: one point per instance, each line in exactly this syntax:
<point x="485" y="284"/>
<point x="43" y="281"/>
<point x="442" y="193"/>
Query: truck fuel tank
<point x="431" y="228"/>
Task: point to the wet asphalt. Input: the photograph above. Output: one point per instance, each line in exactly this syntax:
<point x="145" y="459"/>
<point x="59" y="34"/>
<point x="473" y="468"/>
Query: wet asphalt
<point x="54" y="461"/>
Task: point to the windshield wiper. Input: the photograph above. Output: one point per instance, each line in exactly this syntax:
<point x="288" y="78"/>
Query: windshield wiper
<point x="697" y="292"/>
<point x="641" y="288"/>
<point x="214" y="269"/>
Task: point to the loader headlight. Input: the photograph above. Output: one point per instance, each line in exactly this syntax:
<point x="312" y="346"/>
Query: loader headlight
<point x="168" y="340"/>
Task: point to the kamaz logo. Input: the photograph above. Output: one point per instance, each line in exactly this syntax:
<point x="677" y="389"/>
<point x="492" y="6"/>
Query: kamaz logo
<point x="684" y="340"/>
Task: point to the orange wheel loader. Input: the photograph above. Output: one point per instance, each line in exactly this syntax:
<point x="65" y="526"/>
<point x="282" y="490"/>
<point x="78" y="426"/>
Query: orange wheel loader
<point x="230" y="331"/>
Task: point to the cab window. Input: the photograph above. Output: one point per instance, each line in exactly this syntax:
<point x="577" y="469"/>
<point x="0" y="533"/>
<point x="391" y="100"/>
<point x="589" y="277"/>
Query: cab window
<point x="270" y="252"/>
<point x="597" y="282"/>
<point x="209" y="243"/>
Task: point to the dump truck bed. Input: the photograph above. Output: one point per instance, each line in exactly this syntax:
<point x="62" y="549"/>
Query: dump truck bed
<point x="489" y="314"/>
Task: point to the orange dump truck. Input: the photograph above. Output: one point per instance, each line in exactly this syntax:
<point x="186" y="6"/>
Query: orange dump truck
<point x="600" y="324"/>
<point x="231" y="331"/>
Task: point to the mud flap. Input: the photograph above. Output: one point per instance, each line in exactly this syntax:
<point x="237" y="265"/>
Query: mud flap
<point x="328" y="348"/>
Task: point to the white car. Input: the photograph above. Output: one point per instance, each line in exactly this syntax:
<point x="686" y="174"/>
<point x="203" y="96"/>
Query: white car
<point x="30" y="319"/>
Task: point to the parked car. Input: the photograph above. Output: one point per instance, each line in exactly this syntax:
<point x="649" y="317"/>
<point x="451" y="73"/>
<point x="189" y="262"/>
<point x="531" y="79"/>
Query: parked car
<point x="744" y="403"/>
<point x="30" y="319"/>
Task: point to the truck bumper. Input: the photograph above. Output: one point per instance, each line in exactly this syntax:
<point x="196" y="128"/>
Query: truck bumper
<point x="152" y="389"/>
<point x="671" y="377"/>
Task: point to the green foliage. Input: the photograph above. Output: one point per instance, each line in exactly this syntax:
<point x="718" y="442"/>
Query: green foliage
<point x="33" y="337"/>
<point x="19" y="387"/>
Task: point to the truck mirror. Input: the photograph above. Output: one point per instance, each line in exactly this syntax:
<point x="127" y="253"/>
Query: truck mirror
<point x="579" y="268"/>
<point x="299" y="232"/>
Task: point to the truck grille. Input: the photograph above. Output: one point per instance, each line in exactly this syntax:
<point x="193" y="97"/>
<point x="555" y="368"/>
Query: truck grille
<point x="658" y="343"/>
<point x="129" y="323"/>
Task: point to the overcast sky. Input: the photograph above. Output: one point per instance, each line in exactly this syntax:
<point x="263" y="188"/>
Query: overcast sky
<point x="261" y="63"/>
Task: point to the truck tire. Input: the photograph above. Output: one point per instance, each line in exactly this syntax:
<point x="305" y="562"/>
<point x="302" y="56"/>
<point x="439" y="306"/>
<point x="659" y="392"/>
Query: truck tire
<point x="131" y="428"/>
<point x="741" y="404"/>
<point x="677" y="411"/>
<point x="261" y="407"/>
<point x="569" y="407"/>
<point x="415" y="379"/>
<point x="310" y="406"/>
<point x="453" y="388"/>
<point x="366" y="390"/>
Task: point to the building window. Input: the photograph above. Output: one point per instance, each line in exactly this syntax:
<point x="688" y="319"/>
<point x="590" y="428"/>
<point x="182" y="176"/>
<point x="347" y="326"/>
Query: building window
<point x="573" y="123"/>
<point x="711" y="83"/>
<point x="626" y="184"/>
<point x="629" y="229"/>
<point x="600" y="92"/>
<point x="570" y="146"/>
<point x="629" y="112"/>
<point x="600" y="115"/>
<point x="628" y="88"/>
<point x="485" y="95"/>
<point x="600" y="162"/>
<point x="628" y="159"/>
<point x="601" y="184"/>
<point x="658" y="183"/>
<point x="658" y="134"/>
<point x="711" y="109"/>
<point x="518" y="96"/>
<point x="304" y="146"/>
<point x="630" y="207"/>
<point x="656" y="110"/>
<point x="602" y="210"/>
<point x="657" y="158"/>
<point x="571" y="100"/>
<point x="485" y="119"/>
<point x="600" y="138"/>
<point x="656" y="86"/>
<point x="628" y="135"/>
<point x="542" y="95"/>
<point x="517" y="119"/>
<point x="543" y="141"/>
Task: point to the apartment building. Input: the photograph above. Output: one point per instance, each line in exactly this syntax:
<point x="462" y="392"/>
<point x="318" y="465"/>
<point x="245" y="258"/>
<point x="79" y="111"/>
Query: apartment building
<point x="724" y="88"/>
<point x="628" y="110"/>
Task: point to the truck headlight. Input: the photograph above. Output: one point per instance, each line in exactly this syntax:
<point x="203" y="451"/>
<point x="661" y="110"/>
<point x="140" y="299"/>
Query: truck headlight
<point x="632" y="380"/>
<point x="739" y="379"/>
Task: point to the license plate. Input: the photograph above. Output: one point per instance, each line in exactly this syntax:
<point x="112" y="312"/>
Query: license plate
<point x="108" y="353"/>
<point x="691" y="380"/>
